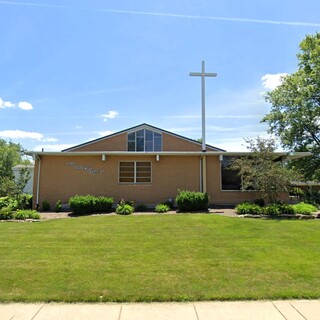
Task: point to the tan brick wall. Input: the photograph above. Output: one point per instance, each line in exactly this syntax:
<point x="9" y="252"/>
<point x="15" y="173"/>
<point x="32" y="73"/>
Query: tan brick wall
<point x="60" y="181"/>
<point x="217" y="196"/>
<point x="115" y="143"/>
<point x="119" y="143"/>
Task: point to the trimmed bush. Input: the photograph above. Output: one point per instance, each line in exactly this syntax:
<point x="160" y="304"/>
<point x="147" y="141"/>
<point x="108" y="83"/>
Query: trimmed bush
<point x="248" y="208"/>
<point x="161" y="208"/>
<point x="304" y="208"/>
<point x="124" y="208"/>
<point x="192" y="201"/>
<point x="89" y="204"/>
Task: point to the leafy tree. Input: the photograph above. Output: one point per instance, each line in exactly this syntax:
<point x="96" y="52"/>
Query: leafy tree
<point x="295" y="111"/>
<point x="263" y="170"/>
<point x="12" y="154"/>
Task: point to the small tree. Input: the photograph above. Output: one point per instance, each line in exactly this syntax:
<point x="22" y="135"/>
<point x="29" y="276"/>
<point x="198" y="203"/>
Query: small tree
<point x="263" y="170"/>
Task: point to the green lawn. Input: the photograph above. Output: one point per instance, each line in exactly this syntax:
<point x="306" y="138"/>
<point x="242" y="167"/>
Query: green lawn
<point x="159" y="258"/>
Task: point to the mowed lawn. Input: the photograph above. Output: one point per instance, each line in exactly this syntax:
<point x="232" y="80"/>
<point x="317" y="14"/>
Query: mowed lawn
<point x="159" y="258"/>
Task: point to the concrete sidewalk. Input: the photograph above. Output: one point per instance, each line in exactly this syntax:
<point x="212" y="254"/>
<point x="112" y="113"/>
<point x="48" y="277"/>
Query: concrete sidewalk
<point x="255" y="310"/>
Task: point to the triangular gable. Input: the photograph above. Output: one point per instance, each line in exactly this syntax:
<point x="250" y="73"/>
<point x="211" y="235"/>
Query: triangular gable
<point x="119" y="141"/>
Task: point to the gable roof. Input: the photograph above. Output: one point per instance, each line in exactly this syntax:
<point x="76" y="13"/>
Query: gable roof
<point x="143" y="126"/>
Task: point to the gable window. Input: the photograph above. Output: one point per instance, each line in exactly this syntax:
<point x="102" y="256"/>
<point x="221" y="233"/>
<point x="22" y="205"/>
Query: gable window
<point x="230" y="179"/>
<point x="135" y="172"/>
<point x="144" y="140"/>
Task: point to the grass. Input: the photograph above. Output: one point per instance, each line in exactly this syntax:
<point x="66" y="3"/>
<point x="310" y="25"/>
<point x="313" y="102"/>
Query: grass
<point x="159" y="258"/>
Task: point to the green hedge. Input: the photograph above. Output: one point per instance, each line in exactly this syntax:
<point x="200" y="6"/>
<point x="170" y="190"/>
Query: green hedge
<point x="275" y="209"/>
<point x="192" y="201"/>
<point x="89" y="204"/>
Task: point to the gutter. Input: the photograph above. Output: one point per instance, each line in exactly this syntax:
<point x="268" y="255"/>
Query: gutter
<point x="288" y="155"/>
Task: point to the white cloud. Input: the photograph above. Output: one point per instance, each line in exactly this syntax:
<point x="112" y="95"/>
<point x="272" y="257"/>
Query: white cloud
<point x="24" y="105"/>
<point x="271" y="81"/>
<point x="6" y="104"/>
<point x="19" y="134"/>
<point x="105" y="133"/>
<point x="109" y="115"/>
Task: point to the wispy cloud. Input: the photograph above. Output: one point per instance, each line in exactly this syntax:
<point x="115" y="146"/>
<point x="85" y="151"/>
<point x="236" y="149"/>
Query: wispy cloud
<point x="19" y="134"/>
<point x="23" y="105"/>
<point x="246" y="116"/>
<point x="169" y="15"/>
<point x="109" y="115"/>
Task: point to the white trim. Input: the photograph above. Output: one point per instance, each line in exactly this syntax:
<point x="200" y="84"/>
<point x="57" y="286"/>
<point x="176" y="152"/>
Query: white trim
<point x="295" y="155"/>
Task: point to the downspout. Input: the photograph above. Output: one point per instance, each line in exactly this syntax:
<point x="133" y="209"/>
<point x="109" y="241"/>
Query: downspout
<point x="38" y="181"/>
<point x="204" y="174"/>
<point x="201" y="185"/>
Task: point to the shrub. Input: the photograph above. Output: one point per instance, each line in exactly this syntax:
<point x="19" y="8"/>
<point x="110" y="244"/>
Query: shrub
<point x="102" y="204"/>
<point x="285" y="208"/>
<point x="161" y="208"/>
<point x="192" y="201"/>
<point x="58" y="207"/>
<point x="89" y="204"/>
<point x="124" y="208"/>
<point x="304" y="208"/>
<point x="248" y="208"/>
<point x="46" y="206"/>
<point x="141" y="208"/>
<point x="8" y="202"/>
<point x="272" y="210"/>
<point x="26" y="214"/>
<point x="24" y="201"/>
<point x="311" y="196"/>
<point x="170" y="203"/>
<point x="6" y="213"/>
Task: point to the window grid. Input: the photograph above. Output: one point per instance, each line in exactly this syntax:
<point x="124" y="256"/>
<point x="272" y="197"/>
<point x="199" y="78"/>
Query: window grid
<point x="134" y="172"/>
<point x="144" y="140"/>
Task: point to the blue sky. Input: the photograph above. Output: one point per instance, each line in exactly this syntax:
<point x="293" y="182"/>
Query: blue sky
<point x="72" y="71"/>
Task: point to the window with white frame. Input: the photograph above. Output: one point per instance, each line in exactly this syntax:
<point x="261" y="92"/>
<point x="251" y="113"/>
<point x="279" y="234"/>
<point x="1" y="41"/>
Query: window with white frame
<point x="134" y="172"/>
<point x="144" y="140"/>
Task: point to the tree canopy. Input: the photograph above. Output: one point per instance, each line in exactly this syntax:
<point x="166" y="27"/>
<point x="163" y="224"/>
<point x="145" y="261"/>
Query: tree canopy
<point x="295" y="111"/>
<point x="263" y="171"/>
<point x="11" y="154"/>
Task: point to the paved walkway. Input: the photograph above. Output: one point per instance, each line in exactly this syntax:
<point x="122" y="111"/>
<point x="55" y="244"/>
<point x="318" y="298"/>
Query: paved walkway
<point x="255" y="310"/>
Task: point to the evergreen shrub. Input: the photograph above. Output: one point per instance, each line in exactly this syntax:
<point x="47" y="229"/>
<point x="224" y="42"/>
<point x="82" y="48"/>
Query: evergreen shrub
<point x="89" y="204"/>
<point x="192" y="201"/>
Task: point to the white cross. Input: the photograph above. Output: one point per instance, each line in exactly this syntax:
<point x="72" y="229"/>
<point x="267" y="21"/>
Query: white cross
<point x="203" y="74"/>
